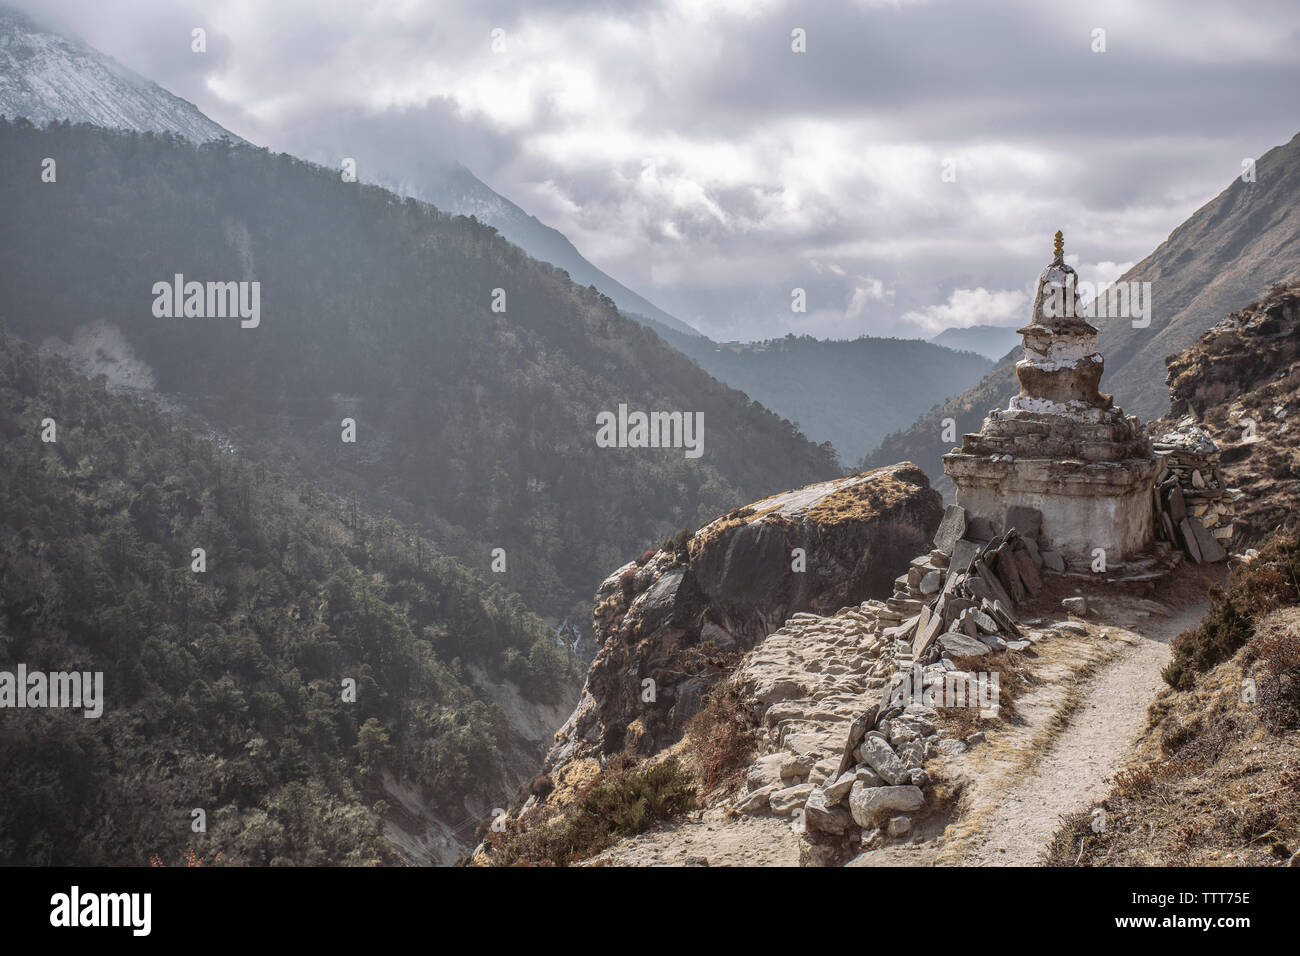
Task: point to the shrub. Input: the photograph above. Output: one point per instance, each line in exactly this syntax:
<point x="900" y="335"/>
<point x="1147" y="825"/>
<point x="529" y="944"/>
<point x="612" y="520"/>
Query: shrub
<point x="1270" y="581"/>
<point x="617" y="805"/>
<point x="720" y="737"/>
<point x="627" y="581"/>
<point x="680" y="545"/>
<point x="1278" y="684"/>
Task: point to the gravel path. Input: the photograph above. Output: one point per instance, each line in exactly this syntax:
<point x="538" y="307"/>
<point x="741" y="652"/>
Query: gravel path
<point x="1072" y="776"/>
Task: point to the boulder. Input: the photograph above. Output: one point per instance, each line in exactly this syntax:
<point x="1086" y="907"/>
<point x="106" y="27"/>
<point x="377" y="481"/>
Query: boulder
<point x="871" y="804"/>
<point x="764" y="771"/>
<point x="1075" y="605"/>
<point x="876" y="753"/>
<point x="857" y="730"/>
<point x="817" y="849"/>
<point x="1053" y="561"/>
<point x="833" y="793"/>
<point x="757" y="801"/>
<point x="818" y="816"/>
<point x="912" y="754"/>
<point x="959" y="645"/>
<point x="785" y="802"/>
<point x="796" y="765"/>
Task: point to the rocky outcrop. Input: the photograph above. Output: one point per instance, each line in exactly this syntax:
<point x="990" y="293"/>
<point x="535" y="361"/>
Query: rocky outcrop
<point x="675" y="623"/>
<point x="1238" y="388"/>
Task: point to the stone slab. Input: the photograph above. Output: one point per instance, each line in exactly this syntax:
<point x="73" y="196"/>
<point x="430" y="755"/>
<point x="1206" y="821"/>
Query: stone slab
<point x="951" y="529"/>
<point x="1028" y="521"/>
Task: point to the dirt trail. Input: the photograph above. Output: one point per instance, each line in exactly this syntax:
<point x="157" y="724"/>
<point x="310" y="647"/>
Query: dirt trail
<point x="1072" y="776"/>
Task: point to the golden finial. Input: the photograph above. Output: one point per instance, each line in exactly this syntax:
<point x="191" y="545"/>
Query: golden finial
<point x="1058" y="248"/>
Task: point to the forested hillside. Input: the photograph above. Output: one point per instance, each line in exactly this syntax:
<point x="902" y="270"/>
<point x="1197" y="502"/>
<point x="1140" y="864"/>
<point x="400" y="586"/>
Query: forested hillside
<point x="224" y="688"/>
<point x="476" y="425"/>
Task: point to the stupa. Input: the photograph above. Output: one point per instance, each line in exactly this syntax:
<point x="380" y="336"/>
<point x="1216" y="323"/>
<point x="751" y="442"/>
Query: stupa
<point x="1061" y="447"/>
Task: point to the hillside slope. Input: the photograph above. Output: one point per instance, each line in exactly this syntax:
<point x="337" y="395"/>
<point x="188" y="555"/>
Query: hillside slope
<point x="480" y="425"/>
<point x="224" y="673"/>
<point x="1234" y="245"/>
<point x="991" y="341"/>
<point x="47" y="77"/>
<point x="455" y="189"/>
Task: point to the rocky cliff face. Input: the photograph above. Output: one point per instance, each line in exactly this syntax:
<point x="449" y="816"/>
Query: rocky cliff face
<point x="684" y="616"/>
<point x="1240" y="382"/>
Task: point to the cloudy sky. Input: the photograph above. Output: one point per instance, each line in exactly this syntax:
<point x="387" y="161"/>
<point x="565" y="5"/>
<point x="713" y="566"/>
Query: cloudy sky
<point x="688" y="150"/>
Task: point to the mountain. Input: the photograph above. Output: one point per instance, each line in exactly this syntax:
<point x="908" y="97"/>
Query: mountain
<point x="848" y="393"/>
<point x="1243" y="240"/>
<point x="991" y="341"/>
<point x="224" y="673"/>
<point x="455" y="189"/>
<point x="476" y="424"/>
<point x="46" y="77"/>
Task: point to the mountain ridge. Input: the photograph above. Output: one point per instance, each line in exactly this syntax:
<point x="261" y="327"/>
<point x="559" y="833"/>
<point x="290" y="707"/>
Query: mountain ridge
<point x="47" y="77"/>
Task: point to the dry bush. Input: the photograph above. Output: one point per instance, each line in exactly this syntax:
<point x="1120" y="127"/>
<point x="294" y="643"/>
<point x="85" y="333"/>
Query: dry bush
<point x="615" y="805"/>
<point x="720" y="738"/>
<point x="1272" y="580"/>
<point x="1277" y="649"/>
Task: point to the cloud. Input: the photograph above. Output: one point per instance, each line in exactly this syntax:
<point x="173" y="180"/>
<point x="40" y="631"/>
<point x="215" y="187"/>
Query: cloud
<point x="966" y="307"/>
<point x="685" y="149"/>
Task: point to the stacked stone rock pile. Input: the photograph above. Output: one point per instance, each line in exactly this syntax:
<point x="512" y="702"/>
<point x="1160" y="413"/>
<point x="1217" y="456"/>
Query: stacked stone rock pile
<point x="846" y="775"/>
<point x="1194" y="510"/>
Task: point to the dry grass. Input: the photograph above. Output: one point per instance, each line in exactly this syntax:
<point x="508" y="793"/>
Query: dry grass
<point x="1218" y="779"/>
<point x="615" y="805"/>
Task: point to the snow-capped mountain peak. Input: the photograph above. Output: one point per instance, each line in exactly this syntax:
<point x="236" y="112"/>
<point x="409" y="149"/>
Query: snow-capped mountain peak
<point x="45" y="77"/>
